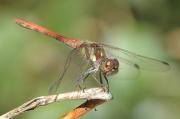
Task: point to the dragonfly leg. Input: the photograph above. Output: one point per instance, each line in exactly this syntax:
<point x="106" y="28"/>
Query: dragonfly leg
<point x="100" y="81"/>
<point x="85" y="75"/>
<point x="107" y="82"/>
<point x="81" y="79"/>
<point x="101" y="84"/>
<point x="100" y="77"/>
<point x="84" y="81"/>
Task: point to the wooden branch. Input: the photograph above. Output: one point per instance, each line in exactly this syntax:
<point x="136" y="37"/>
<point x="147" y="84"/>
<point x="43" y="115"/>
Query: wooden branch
<point x="83" y="109"/>
<point x="95" y="96"/>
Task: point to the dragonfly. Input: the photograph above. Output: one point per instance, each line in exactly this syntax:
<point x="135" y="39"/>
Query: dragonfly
<point x="96" y="55"/>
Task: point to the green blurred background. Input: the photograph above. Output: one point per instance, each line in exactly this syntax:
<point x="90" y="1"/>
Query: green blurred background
<point x="30" y="61"/>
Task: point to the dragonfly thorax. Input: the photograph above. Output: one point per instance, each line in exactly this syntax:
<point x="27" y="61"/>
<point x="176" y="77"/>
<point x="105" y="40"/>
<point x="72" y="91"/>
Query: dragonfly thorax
<point x="109" y="66"/>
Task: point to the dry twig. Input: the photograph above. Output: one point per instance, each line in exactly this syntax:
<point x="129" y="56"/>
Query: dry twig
<point x="95" y="96"/>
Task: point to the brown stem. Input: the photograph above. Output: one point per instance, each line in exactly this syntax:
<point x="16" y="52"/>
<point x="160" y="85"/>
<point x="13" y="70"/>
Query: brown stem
<point x="82" y="109"/>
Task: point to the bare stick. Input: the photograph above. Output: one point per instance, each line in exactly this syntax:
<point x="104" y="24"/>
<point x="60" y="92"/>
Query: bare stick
<point x="94" y="95"/>
<point x="82" y="109"/>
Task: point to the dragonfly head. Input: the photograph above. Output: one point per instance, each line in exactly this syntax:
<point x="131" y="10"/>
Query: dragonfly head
<point x="110" y="66"/>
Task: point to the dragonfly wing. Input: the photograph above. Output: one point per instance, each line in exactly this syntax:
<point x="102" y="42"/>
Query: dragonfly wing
<point x="54" y="86"/>
<point x="74" y="69"/>
<point x="136" y="60"/>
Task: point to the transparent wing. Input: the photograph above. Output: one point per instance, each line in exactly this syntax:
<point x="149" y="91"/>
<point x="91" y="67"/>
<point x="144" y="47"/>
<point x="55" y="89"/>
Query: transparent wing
<point x="74" y="66"/>
<point x="136" y="60"/>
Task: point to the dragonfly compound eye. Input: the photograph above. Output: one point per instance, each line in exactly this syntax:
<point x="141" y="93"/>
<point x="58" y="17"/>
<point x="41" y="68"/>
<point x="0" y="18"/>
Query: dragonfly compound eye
<point x="116" y="63"/>
<point x="111" y="66"/>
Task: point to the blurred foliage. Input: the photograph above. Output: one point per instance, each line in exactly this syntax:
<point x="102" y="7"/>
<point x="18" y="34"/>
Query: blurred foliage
<point x="30" y="61"/>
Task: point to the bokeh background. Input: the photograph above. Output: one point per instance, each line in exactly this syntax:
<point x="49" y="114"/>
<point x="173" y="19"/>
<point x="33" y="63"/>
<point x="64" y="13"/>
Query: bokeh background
<point x="30" y="61"/>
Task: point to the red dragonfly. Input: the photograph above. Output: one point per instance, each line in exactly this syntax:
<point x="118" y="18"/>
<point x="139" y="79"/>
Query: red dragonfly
<point x="97" y="57"/>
